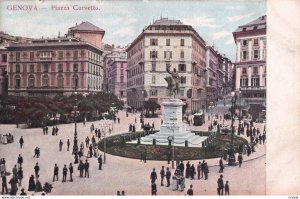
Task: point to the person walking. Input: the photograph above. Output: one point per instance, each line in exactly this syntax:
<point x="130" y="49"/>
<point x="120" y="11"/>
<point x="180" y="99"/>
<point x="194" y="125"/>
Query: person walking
<point x="100" y="162"/>
<point x="81" y="168"/>
<point x="192" y="172"/>
<point x="21" y="141"/>
<point x="226" y="188"/>
<point x="153" y="189"/>
<point x="68" y="144"/>
<point x="60" y="145"/>
<point x="240" y="159"/>
<point x="168" y="176"/>
<point x="20" y="161"/>
<point x="65" y="172"/>
<point x="14" y="188"/>
<point x="199" y="170"/>
<point x="86" y="169"/>
<point x="162" y="175"/>
<point x="55" y="172"/>
<point x="221" y="165"/>
<point x="190" y="191"/>
<point x="202" y="168"/>
<point x="15" y="172"/>
<point x="71" y="172"/>
<point x="87" y="141"/>
<point x="31" y="184"/>
<point x="187" y="170"/>
<point x="153" y="176"/>
<point x="20" y="176"/>
<point x="36" y="169"/>
<point x="220" y="185"/>
<point x="206" y="171"/>
<point x="4" y="185"/>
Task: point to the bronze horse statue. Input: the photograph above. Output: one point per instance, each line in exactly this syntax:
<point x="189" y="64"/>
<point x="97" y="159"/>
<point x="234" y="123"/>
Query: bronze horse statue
<point x="173" y="86"/>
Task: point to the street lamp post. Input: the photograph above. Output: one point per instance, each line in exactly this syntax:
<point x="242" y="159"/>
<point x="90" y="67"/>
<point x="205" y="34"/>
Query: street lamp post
<point x="75" y="146"/>
<point x="105" y="124"/>
<point x="231" y="161"/>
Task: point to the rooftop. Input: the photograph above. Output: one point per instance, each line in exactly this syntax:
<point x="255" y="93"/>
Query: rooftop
<point x="87" y="26"/>
<point x="257" y="24"/>
<point x="166" y="22"/>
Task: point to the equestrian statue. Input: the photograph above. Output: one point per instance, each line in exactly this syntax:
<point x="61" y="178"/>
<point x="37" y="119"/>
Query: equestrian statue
<point x="173" y="81"/>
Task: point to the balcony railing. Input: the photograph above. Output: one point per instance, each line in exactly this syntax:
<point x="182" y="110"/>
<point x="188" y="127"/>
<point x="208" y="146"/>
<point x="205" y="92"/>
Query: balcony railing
<point x="254" y="88"/>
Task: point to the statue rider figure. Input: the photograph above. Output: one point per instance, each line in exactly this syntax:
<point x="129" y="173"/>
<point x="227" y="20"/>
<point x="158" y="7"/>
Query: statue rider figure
<point x="173" y="83"/>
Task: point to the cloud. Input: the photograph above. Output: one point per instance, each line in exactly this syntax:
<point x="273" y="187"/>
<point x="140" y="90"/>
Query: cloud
<point x="124" y="32"/>
<point x="233" y="8"/>
<point x="201" y="22"/>
<point x="230" y="41"/>
<point x="220" y="34"/>
<point x="236" y="18"/>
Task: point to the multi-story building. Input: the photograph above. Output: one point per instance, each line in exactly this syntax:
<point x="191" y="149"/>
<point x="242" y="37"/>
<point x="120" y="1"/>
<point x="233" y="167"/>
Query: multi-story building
<point x="56" y="66"/>
<point x="3" y="70"/>
<point x="115" y="64"/>
<point x="250" y="63"/>
<point x="167" y="42"/>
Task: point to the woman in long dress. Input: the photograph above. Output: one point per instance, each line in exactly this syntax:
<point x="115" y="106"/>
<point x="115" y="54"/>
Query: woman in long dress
<point x="174" y="182"/>
<point x="38" y="185"/>
<point x="31" y="186"/>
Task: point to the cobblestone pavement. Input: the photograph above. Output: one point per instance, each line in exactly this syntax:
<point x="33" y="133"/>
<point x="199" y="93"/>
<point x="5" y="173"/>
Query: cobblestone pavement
<point x="120" y="173"/>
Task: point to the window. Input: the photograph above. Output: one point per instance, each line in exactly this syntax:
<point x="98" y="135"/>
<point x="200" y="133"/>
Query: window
<point x="17" y="56"/>
<point x="256" y="54"/>
<point x="168" y="54"/>
<point x="18" y="68"/>
<point x="4" y="58"/>
<point x="244" y="55"/>
<point x="244" y="29"/>
<point x="60" y="81"/>
<point x="31" y="81"/>
<point x="244" y="82"/>
<point x="75" y="54"/>
<point x="75" y="81"/>
<point x="182" y="80"/>
<point x="75" y="67"/>
<point x="167" y="42"/>
<point x="255" y="82"/>
<point x="60" y="55"/>
<point x="45" y="55"/>
<point x="182" y="54"/>
<point x="153" y="92"/>
<point x="45" y="81"/>
<point x="153" y="42"/>
<point x="255" y="42"/>
<point x="46" y="68"/>
<point x="31" y="56"/>
<point x="153" y="54"/>
<point x="244" y="70"/>
<point x="255" y="70"/>
<point x="153" y="79"/>
<point x="31" y="68"/>
<point x="181" y="68"/>
<point x="60" y="68"/>
<point x="17" y="81"/>
<point x="122" y="79"/>
<point x="153" y="66"/>
<point x="181" y="42"/>
<point x="245" y="42"/>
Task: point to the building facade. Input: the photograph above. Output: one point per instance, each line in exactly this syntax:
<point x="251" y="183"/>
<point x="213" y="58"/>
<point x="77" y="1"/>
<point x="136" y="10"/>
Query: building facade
<point x="167" y="42"/>
<point x="250" y="66"/>
<point x="56" y="66"/>
<point x="115" y="65"/>
<point x="3" y="70"/>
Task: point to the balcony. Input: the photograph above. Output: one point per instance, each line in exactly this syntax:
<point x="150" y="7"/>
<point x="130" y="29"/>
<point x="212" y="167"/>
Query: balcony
<point x="253" y="88"/>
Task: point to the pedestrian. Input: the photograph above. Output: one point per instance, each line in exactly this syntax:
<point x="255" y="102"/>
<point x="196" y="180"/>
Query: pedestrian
<point x="123" y="193"/>
<point x="181" y="167"/>
<point x="21" y="141"/>
<point x="99" y="135"/>
<point x="56" y="131"/>
<point x="162" y="175"/>
<point x="133" y="128"/>
<point x="168" y="176"/>
<point x="68" y="144"/>
<point x="240" y="159"/>
<point x="53" y="131"/>
<point x="91" y="151"/>
<point x="81" y="168"/>
<point x="220" y="185"/>
<point x="199" y="170"/>
<point x="14" y="188"/>
<point x="100" y="162"/>
<point x="35" y="152"/>
<point x="65" y="172"/>
<point x="187" y="170"/>
<point x="60" y="145"/>
<point x="31" y="184"/>
<point x="4" y="185"/>
<point x="260" y="138"/>
<point x="153" y="176"/>
<point x="38" y="152"/>
<point x="23" y="192"/>
<point x="221" y="165"/>
<point x="192" y="172"/>
<point x="226" y="188"/>
<point x="15" y="171"/>
<point x="55" y="172"/>
<point x="36" y="169"/>
<point x="46" y="130"/>
<point x="71" y="172"/>
<point x="20" y="161"/>
<point x="153" y="189"/>
<point x="190" y="191"/>
<point x="38" y="185"/>
<point x="86" y="169"/>
<point x="20" y="176"/>
<point x="118" y="120"/>
<point x="264" y="137"/>
<point x="202" y="168"/>
<point x="87" y="141"/>
<point x="206" y="171"/>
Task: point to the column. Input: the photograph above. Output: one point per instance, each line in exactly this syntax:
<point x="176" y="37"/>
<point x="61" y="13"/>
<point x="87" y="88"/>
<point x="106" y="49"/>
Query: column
<point x="238" y="77"/>
<point x="250" y="49"/>
<point x="261" y="47"/>
<point x="238" y="51"/>
<point x="260" y="76"/>
<point x="249" y="72"/>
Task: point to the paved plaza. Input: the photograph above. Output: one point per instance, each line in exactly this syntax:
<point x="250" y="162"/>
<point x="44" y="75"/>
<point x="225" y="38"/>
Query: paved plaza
<point x="130" y="175"/>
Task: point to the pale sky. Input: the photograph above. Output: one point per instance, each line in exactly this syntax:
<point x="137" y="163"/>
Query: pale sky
<point x="124" y="20"/>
